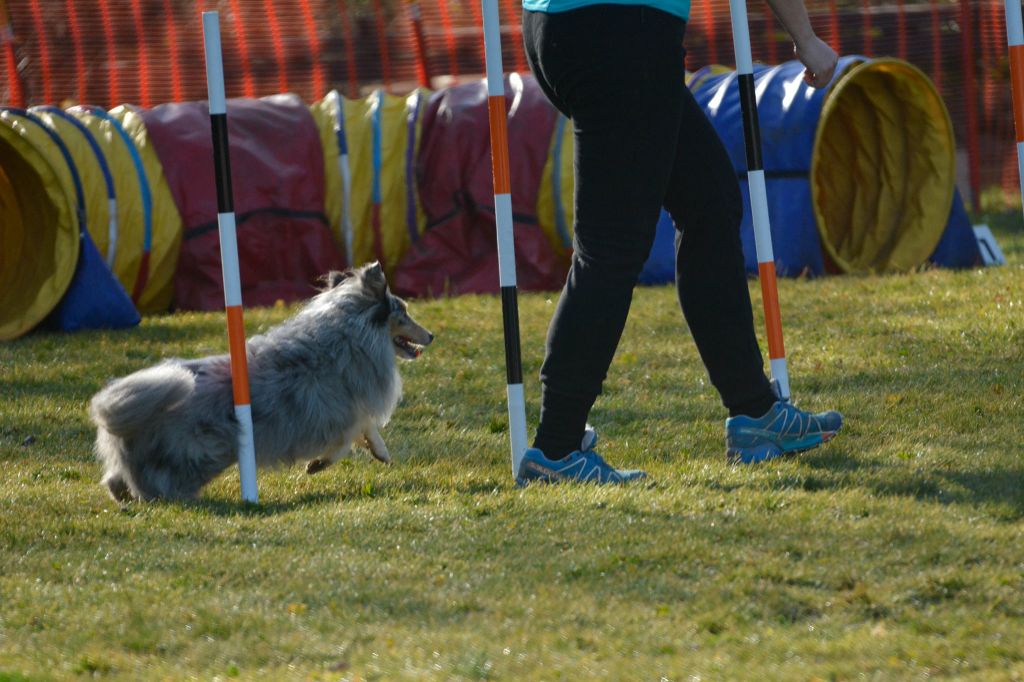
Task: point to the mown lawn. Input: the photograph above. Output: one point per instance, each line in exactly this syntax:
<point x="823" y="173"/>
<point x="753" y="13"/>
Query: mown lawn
<point x="894" y="552"/>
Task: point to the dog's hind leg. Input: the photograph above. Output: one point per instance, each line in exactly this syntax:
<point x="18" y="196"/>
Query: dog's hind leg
<point x="112" y="454"/>
<point x="376" y="443"/>
<point x="118" y="488"/>
<point x="321" y="463"/>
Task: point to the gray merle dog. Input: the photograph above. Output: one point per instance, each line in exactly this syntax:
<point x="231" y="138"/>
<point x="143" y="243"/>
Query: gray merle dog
<point x="317" y="382"/>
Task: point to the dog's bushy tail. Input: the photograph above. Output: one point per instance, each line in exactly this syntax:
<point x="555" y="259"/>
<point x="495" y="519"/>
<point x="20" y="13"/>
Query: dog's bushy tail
<point x="127" y="406"/>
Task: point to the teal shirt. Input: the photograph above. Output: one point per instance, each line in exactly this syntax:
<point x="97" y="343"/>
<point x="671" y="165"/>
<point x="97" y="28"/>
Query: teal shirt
<point x="680" y="8"/>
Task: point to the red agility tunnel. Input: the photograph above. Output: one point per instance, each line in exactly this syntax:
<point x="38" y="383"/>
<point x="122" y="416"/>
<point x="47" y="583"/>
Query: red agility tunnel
<point x="458" y="254"/>
<point x="277" y="162"/>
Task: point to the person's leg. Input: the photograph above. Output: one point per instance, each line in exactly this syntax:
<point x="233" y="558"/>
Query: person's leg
<point x="617" y="70"/>
<point x="705" y="203"/>
<point x="535" y="33"/>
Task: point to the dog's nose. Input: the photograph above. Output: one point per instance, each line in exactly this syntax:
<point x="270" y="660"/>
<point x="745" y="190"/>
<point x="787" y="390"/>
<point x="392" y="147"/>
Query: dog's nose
<point x="431" y="337"/>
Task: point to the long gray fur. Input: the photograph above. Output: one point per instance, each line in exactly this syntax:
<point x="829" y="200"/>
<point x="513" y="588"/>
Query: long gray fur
<point x="317" y="381"/>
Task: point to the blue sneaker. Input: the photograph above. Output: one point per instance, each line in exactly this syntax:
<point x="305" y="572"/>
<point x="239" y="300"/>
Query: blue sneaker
<point x="582" y="466"/>
<point x="785" y="429"/>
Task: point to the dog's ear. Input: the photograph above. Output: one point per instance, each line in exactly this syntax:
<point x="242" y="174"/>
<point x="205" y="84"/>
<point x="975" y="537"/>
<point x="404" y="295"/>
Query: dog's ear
<point x="334" y="278"/>
<point x="373" y="278"/>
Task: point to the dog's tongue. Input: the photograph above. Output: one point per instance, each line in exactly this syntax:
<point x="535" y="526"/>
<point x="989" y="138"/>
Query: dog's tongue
<point x="418" y="351"/>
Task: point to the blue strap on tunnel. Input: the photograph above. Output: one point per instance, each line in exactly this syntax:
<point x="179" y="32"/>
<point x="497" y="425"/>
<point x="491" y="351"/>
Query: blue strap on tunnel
<point x="108" y="179"/>
<point x="144" y="191"/>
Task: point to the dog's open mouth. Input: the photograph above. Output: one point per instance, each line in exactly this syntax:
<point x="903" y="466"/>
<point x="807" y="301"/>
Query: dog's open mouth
<point x="406" y="347"/>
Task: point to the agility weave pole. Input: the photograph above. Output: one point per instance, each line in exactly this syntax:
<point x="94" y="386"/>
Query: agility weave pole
<point x="505" y="235"/>
<point x="1015" y="39"/>
<point x="758" y="195"/>
<point x="229" y="253"/>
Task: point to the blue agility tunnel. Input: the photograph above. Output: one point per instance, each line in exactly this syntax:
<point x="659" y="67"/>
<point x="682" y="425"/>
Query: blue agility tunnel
<point x="860" y="174"/>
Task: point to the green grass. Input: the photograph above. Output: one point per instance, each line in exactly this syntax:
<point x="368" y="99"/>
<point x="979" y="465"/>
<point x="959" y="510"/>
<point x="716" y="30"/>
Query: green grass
<point x="893" y="552"/>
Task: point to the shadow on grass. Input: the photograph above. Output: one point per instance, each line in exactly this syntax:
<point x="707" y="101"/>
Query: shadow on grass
<point x="224" y="508"/>
<point x="389" y="489"/>
<point x="999" y="488"/>
<point x="413" y="483"/>
<point x="838" y="460"/>
<point x="1003" y="488"/>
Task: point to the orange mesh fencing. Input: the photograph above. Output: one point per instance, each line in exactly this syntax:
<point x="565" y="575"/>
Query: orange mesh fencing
<point x="111" y="52"/>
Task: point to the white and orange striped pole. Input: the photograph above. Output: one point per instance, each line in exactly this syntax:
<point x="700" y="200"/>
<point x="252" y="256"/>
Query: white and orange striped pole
<point x="229" y="254"/>
<point x="758" y="195"/>
<point x="1015" y="39"/>
<point x="506" y="239"/>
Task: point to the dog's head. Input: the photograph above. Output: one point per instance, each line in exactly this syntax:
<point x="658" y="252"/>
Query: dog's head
<point x="407" y="336"/>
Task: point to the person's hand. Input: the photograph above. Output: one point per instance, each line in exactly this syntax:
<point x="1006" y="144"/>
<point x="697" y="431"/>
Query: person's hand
<point x="818" y="59"/>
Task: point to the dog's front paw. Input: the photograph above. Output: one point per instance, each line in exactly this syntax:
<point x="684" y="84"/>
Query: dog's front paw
<point x="376" y="444"/>
<point x="315" y="465"/>
<point x="381" y="456"/>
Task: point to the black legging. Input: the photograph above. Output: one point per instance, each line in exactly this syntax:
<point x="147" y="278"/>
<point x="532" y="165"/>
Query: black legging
<point x="642" y="142"/>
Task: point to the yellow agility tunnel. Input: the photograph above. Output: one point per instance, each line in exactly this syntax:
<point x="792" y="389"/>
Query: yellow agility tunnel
<point x="860" y="175"/>
<point x="375" y="214"/>
<point x="64" y="169"/>
<point x="39" y="242"/>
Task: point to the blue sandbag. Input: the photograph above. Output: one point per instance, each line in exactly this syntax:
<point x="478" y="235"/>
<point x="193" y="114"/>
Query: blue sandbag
<point x="958" y="247"/>
<point x="95" y="299"/>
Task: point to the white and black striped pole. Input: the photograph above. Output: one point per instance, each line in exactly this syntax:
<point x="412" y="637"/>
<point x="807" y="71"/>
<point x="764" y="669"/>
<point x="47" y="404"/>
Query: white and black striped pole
<point x="229" y="254"/>
<point x="505" y="236"/>
<point x="758" y="195"/>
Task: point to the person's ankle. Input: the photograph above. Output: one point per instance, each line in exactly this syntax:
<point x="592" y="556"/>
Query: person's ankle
<point x="553" y="451"/>
<point x="755" y="408"/>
